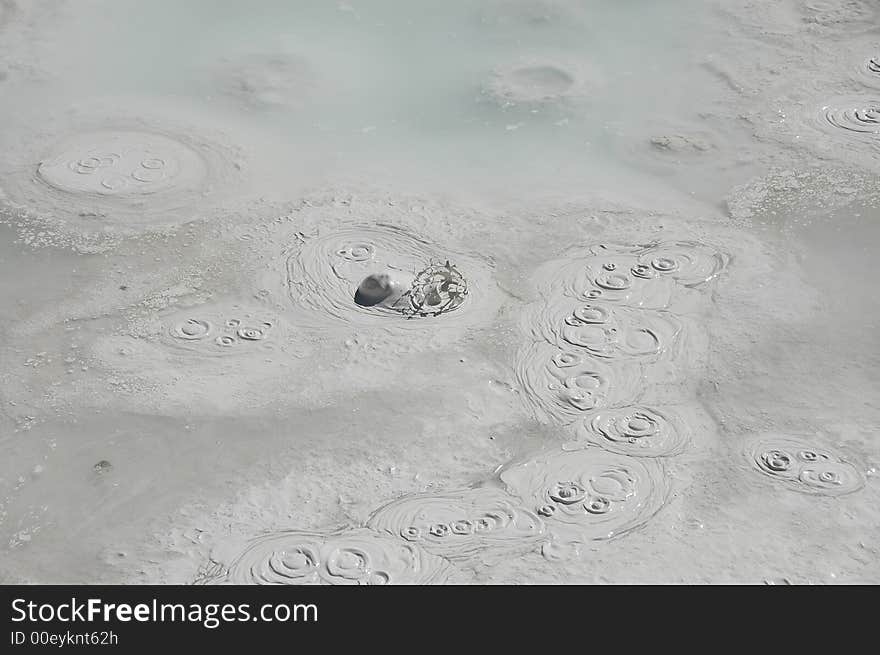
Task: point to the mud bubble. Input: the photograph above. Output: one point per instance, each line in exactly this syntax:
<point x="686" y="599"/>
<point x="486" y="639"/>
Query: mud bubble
<point x="327" y="276"/>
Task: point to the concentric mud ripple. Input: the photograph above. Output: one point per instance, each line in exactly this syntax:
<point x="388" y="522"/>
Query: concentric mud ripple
<point x="354" y="557"/>
<point x="603" y="274"/>
<point x="605" y="330"/>
<point x="323" y="274"/>
<point x="589" y="494"/>
<point x="687" y="262"/>
<point x="860" y="117"/>
<point x="636" y="431"/>
<point x="461" y="525"/>
<point x="870" y="70"/>
<point x="562" y="385"/>
<point x="802" y="466"/>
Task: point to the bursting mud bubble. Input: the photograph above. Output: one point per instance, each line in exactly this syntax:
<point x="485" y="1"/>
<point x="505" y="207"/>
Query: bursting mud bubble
<point x="517" y="314"/>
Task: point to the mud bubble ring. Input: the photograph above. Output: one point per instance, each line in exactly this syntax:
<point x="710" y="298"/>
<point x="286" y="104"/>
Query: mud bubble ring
<point x="687" y="262"/>
<point x="615" y="493"/>
<point x="636" y="431"/>
<point x="192" y="329"/>
<point x="461" y="524"/>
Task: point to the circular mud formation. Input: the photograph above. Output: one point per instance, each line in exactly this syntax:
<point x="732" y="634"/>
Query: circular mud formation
<point x="859" y="117"/>
<point x="124" y="177"/>
<point x="870" y="71"/>
<point x="589" y="494"/>
<point x="848" y="128"/>
<point x="354" y="557"/>
<point x="605" y="330"/>
<point x="326" y="275"/>
<point x="635" y="431"/>
<point x="122" y="164"/>
<point x="638" y="276"/>
<point x="803" y="467"/>
<point x="540" y="83"/>
<point x="461" y="525"/>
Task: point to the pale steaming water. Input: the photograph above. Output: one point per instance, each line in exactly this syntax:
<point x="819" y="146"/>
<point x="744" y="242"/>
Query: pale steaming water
<point x="664" y="216"/>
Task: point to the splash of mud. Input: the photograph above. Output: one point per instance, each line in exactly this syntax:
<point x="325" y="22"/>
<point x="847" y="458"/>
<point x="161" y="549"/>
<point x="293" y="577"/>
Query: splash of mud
<point x="323" y="274"/>
<point x="803" y="467"/>
<point x="345" y="557"/>
<point x="461" y="525"/>
<point x="589" y="494"/>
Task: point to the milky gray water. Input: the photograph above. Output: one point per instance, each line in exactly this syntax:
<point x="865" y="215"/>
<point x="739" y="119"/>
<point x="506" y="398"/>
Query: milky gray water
<point x="625" y="328"/>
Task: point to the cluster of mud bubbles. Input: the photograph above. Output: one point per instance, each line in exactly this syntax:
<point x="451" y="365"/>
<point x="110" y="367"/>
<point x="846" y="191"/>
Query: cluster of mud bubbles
<point x="207" y="335"/>
<point x="801" y="466"/>
<point x="605" y="317"/>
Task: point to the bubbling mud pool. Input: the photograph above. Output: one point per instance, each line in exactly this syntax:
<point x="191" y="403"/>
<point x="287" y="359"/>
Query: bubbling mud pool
<point x="306" y="303"/>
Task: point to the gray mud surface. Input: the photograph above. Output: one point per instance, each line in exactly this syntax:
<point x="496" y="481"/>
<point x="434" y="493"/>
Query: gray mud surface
<point x="633" y="330"/>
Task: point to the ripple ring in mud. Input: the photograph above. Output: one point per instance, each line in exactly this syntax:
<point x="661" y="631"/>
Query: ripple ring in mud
<point x="192" y="329"/>
<point x="636" y="431"/>
<point x="354" y="556"/>
<point x="864" y="119"/>
<point x="459" y="525"/>
<point x="687" y="262"/>
<point x="251" y="334"/>
<point x="622" y="493"/>
<point x="324" y="274"/>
